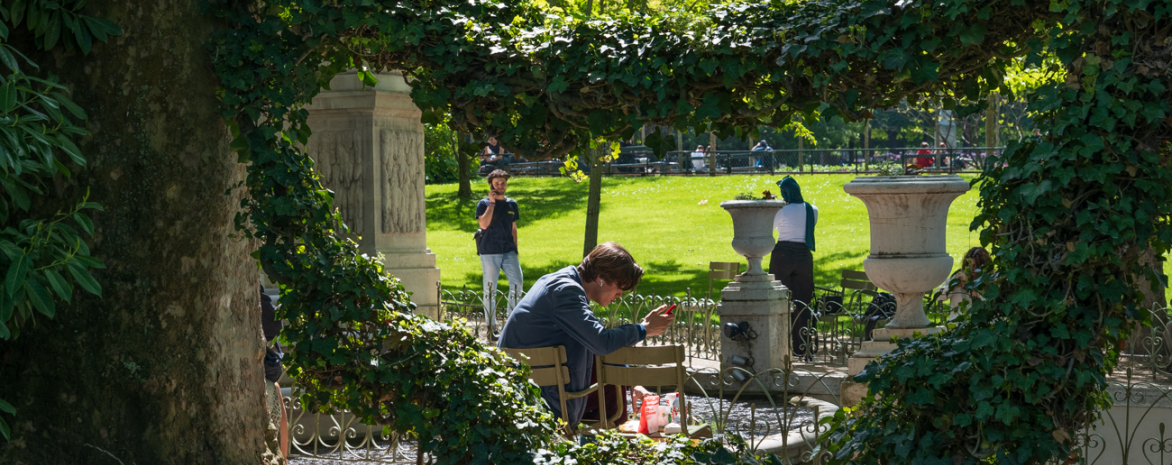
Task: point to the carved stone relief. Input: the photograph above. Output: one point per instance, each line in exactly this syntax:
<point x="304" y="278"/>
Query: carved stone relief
<point x="400" y="156"/>
<point x="338" y="162"/>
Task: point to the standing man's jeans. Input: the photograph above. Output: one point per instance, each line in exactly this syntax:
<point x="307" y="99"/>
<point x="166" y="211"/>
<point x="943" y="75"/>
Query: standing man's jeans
<point x="492" y="265"/>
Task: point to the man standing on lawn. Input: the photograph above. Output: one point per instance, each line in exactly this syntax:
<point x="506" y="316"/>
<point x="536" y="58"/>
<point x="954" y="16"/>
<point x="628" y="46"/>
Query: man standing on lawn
<point x="497" y="246"/>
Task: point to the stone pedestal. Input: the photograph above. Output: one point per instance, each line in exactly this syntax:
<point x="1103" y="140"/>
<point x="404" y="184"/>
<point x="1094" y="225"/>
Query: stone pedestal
<point x="853" y="392"/>
<point x="764" y="303"/>
<point x="367" y="146"/>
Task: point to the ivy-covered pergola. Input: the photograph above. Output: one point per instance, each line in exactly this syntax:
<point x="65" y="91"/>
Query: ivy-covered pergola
<point x="1067" y="214"/>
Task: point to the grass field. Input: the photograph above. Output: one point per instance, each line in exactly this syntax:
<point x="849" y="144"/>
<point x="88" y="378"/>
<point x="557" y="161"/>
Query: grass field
<point x="660" y="220"/>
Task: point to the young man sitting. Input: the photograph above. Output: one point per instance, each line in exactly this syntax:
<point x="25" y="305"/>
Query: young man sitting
<point x="556" y="312"/>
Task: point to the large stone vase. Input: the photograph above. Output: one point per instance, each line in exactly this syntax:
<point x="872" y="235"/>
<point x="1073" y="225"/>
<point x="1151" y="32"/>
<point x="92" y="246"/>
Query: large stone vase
<point x="753" y="229"/>
<point x="909" y="217"/>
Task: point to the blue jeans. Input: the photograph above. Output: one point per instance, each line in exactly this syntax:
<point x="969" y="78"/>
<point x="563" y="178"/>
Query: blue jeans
<point x="492" y="265"/>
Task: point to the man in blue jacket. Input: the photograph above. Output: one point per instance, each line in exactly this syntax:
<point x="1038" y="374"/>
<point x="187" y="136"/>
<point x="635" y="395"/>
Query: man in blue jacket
<point x="556" y="311"/>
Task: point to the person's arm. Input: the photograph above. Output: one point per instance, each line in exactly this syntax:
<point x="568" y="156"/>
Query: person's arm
<point x="572" y="314"/>
<point x="516" y="217"/>
<point x="484" y="218"/>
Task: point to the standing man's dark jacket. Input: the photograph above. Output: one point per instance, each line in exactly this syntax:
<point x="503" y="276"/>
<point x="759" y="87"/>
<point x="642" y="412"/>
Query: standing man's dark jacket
<point x="557" y="312"/>
<point x="498" y="237"/>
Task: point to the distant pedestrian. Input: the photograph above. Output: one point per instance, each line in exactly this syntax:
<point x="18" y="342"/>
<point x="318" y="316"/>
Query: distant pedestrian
<point x="924" y="161"/>
<point x="497" y="216"/>
<point x="792" y="262"/>
<point x="492" y="155"/>
<point x="698" y="159"/>
<point x="763" y="161"/>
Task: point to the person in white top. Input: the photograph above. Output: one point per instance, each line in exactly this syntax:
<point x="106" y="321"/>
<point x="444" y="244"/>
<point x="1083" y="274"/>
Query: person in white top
<point x="792" y="262"/>
<point x="698" y="158"/>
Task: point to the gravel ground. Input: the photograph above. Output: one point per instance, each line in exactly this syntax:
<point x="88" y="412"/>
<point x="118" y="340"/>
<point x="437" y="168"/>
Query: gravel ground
<point x="750" y="424"/>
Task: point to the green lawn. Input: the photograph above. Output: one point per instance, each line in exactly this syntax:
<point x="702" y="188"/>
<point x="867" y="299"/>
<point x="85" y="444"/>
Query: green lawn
<point x="660" y="221"/>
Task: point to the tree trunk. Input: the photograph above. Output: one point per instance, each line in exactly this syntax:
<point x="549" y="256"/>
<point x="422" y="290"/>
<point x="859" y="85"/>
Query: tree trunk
<point x="866" y="144"/>
<point x="462" y="160"/>
<point x="991" y="116"/>
<point x="165" y="368"/>
<point x="1156" y="299"/>
<point x="593" y="201"/>
<point x="712" y="154"/>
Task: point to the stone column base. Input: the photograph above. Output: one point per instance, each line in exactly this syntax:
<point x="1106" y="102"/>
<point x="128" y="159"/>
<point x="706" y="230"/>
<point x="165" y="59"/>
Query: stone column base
<point x="853" y="392"/>
<point x="762" y="302"/>
<point x="418" y="273"/>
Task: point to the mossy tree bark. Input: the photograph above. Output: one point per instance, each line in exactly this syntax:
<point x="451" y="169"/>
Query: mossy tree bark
<point x="464" y="156"/>
<point x="593" y="200"/>
<point x="165" y="368"/>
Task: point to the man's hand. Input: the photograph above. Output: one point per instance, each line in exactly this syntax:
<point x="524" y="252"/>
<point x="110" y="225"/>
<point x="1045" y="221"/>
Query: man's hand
<point x="656" y="322"/>
<point x="638" y="393"/>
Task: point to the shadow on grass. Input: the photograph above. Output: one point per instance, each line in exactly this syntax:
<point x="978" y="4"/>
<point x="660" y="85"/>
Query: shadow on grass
<point x="447" y="211"/>
<point x="671" y="277"/>
<point x="531" y="273"/>
<point x="824" y="275"/>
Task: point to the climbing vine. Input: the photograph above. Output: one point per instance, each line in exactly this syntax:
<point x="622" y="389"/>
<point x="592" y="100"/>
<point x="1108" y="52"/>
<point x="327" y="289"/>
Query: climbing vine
<point x="1065" y="215"/>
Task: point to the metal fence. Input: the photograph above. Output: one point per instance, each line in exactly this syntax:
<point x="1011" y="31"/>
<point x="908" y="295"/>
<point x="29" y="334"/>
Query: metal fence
<point x="790" y="161"/>
<point x="778" y="411"/>
<point x="696" y="326"/>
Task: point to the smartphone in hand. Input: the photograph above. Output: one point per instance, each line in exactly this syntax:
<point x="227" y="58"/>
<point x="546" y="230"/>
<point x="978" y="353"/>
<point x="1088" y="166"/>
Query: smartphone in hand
<point x="669" y="309"/>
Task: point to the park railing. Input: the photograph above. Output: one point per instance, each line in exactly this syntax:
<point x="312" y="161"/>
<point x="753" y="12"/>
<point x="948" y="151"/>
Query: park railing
<point x="696" y="326"/>
<point x="779" y="410"/>
<point x="644" y="162"/>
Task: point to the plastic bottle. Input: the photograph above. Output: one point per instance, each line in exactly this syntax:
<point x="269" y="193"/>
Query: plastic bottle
<point x="665" y="411"/>
<point x="672" y="407"/>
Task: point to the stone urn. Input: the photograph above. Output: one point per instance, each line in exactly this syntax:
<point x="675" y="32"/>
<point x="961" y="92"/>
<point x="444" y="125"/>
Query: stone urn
<point x="909" y="217"/>
<point x="754" y="298"/>
<point x="753" y="230"/>
<point x="908" y="257"/>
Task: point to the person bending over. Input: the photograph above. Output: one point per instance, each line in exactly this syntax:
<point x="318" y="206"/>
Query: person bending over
<point x="556" y="312"/>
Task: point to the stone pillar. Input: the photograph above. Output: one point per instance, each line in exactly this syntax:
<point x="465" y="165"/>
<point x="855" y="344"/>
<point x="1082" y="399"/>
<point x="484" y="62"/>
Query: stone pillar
<point x="755" y="297"/>
<point x="367" y="147"/>
<point x="764" y="303"/>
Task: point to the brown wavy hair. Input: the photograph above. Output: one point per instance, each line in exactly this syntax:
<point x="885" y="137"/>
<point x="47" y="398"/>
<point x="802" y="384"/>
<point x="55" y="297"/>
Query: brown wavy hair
<point x="978" y="256"/>
<point x="612" y="263"/>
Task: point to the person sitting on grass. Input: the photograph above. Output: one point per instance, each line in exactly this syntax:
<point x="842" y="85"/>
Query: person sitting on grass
<point x="556" y="312"/>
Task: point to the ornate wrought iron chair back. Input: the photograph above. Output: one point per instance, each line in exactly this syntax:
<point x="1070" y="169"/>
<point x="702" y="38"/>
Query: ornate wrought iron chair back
<point x="836" y="331"/>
